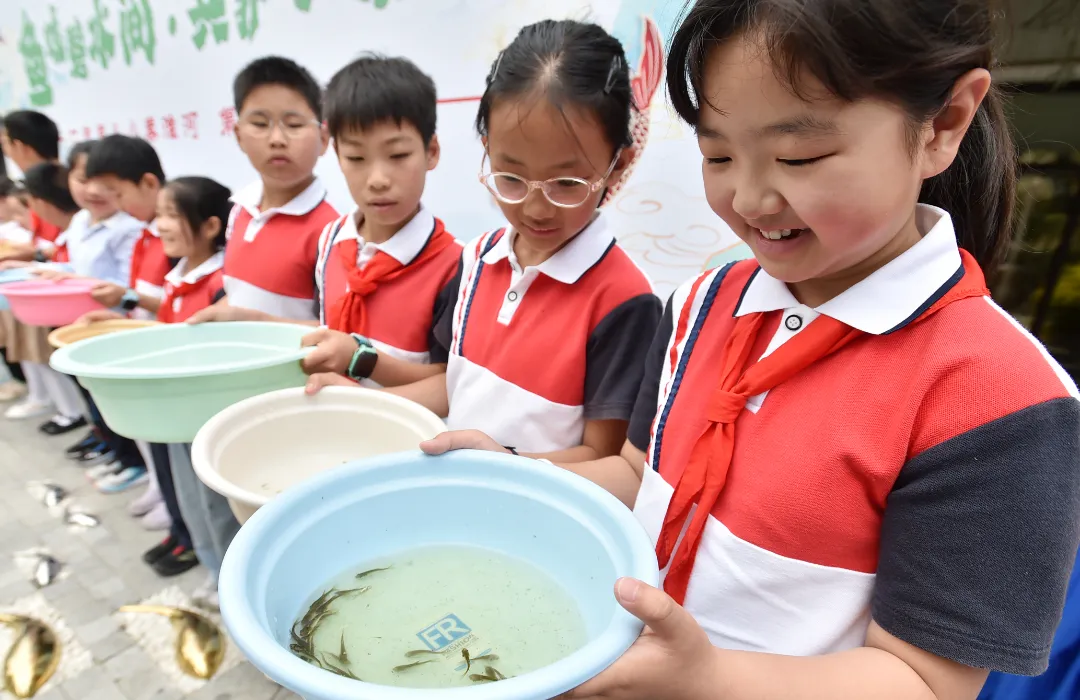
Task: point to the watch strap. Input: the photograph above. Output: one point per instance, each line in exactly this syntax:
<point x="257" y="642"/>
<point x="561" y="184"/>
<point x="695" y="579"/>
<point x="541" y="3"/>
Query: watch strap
<point x="363" y="360"/>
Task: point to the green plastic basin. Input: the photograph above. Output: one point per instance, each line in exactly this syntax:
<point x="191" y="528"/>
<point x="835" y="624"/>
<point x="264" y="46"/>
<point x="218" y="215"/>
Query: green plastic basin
<point x="162" y="384"/>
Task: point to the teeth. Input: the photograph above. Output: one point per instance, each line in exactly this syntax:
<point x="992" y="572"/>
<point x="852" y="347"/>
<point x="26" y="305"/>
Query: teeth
<point x="778" y="234"/>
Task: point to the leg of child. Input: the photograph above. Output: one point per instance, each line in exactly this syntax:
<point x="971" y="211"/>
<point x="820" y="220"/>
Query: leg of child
<point x="65" y="396"/>
<point x="163" y="471"/>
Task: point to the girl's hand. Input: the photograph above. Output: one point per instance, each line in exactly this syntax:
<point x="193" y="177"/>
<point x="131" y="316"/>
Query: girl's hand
<point x="107" y="294"/>
<point x="672" y="659"/>
<point x="46" y="273"/>
<point x="223" y="313"/>
<point x="316" y="382"/>
<point x="14" y="264"/>
<point x="98" y="316"/>
<point x="333" y="351"/>
<point x="461" y="440"/>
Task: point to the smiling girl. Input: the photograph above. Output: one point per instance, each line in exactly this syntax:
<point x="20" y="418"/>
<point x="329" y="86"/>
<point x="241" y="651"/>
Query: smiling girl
<point x="860" y="474"/>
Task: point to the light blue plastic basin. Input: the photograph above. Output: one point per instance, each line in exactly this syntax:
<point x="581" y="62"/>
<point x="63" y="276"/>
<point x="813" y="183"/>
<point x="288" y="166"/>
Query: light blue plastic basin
<point x="567" y="526"/>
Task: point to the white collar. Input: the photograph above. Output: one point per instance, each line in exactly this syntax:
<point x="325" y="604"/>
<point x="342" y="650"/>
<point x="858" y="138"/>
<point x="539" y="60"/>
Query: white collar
<point x="892" y="295"/>
<point x="404" y="245"/>
<point x="250" y="197"/>
<point x="572" y="261"/>
<point x="214" y="263"/>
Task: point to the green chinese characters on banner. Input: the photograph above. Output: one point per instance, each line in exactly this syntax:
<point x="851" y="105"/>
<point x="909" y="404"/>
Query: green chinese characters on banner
<point x="137" y="29"/>
<point x="208" y="17"/>
<point x="77" y="50"/>
<point x="247" y="18"/>
<point x="54" y="38"/>
<point x="34" y="59"/>
<point x="102" y="41"/>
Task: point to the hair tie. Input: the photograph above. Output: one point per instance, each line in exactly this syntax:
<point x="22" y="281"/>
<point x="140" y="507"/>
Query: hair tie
<point x="613" y="74"/>
<point x="495" y="68"/>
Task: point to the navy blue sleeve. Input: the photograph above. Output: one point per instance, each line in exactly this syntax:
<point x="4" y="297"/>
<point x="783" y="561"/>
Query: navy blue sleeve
<point x="442" y="320"/>
<point x="615" y="357"/>
<point x="641" y="419"/>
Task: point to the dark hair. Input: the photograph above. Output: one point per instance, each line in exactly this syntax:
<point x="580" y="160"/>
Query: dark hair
<point x="18" y="191"/>
<point x="568" y="62"/>
<point x="82" y="148"/>
<point x="7" y="187"/>
<point x="275" y="70"/>
<point x="127" y="157"/>
<point x="907" y="52"/>
<point x="35" y="130"/>
<point x="49" y="181"/>
<point x="198" y="199"/>
<point x="376" y="88"/>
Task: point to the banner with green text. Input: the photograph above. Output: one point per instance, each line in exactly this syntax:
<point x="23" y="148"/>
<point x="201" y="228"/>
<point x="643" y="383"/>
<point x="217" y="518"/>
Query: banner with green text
<point x="163" y="70"/>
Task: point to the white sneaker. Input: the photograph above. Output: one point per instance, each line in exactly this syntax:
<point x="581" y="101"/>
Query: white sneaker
<point x="28" y="409"/>
<point x="206" y="595"/>
<point x="100" y="471"/>
<point x="11" y="390"/>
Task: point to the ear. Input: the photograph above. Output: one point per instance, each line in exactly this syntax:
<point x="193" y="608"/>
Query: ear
<point x="434" y="150"/>
<point x="948" y="128"/>
<point x="150" y="182"/>
<point x="626" y="157"/>
<point x="324" y="137"/>
<point x="210" y="228"/>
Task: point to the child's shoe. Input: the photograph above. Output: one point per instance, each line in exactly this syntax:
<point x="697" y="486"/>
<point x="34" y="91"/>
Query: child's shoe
<point x="82" y="446"/>
<point x="97" y="454"/>
<point x="28" y="409"/>
<point x="61" y="425"/>
<point x="157" y="519"/>
<point x="177" y="561"/>
<point x="159" y="550"/>
<point x="11" y="390"/>
<point x="145" y="503"/>
<point x="103" y="469"/>
<point x="127" y="478"/>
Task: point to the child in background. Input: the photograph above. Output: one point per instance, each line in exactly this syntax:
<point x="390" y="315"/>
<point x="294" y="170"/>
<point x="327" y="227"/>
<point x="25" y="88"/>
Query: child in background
<point x="191" y="216"/>
<point x="274" y="229"/>
<point x="30" y="138"/>
<point x="860" y="473"/>
<point x="130" y="168"/>
<point x="49" y="390"/>
<point x="14" y="232"/>
<point x="544" y="344"/>
<point x="383" y="269"/>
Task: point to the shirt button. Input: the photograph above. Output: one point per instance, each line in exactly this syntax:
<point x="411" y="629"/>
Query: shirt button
<point x="793" y="322"/>
<point x="512" y="296"/>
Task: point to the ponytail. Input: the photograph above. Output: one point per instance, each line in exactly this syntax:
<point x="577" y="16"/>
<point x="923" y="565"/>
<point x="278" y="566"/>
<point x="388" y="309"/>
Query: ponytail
<point x="979" y="188"/>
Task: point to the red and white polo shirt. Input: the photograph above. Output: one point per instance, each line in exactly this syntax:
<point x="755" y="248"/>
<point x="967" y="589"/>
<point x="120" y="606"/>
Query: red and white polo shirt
<point x="926" y="474"/>
<point x="535" y="352"/>
<point x="189" y="291"/>
<point x="149" y="265"/>
<point x="401" y="313"/>
<point x="270" y="255"/>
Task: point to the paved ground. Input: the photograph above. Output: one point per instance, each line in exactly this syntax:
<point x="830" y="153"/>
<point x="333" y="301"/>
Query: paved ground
<point x="106" y="655"/>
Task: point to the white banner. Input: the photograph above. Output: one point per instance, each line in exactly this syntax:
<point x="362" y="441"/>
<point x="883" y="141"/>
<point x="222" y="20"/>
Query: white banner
<point x="163" y="70"/>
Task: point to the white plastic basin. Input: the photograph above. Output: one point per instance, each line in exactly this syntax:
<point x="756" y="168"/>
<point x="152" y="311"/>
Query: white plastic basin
<point x="257" y="448"/>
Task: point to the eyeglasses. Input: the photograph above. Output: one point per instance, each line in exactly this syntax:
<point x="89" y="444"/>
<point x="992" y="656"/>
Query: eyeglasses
<point x="566" y="192"/>
<point x="260" y="125"/>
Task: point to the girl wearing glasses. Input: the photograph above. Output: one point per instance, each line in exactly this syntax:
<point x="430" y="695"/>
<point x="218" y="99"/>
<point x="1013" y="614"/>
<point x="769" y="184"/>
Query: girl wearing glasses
<point x="552" y="320"/>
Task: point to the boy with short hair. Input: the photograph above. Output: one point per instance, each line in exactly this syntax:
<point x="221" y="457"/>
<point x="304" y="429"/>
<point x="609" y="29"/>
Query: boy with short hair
<point x="130" y="167"/>
<point x="274" y="229"/>
<point x="29" y="138"/>
<point x="383" y="268"/>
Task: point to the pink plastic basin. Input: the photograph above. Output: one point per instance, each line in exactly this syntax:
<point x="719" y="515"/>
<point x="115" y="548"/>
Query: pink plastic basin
<point x="47" y="303"/>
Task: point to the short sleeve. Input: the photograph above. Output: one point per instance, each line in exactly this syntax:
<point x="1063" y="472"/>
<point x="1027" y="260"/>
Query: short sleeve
<point x="979" y="536"/>
<point x="641" y="419"/>
<point x="615" y="357"/>
<point x="442" y="319"/>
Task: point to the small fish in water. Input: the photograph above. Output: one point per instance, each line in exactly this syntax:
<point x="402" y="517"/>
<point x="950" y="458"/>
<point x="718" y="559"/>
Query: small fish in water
<point x="486" y="657"/>
<point x="490" y="674"/>
<point x="46" y="570"/>
<point x="342" y="656"/>
<point x="33" y="657"/>
<point x="200" y="646"/>
<point x="468" y="661"/>
<point x="362" y="574"/>
<point x="423" y="652"/>
<point x="338" y="670"/>
<point x="80" y="518"/>
<point x="414" y="664"/>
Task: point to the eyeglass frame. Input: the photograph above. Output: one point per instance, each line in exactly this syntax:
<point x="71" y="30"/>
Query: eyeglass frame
<point x="276" y="122"/>
<point x="594" y="187"/>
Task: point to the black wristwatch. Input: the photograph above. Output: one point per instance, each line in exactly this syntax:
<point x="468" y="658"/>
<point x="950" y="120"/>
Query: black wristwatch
<point x="363" y="360"/>
<point x="130" y="300"/>
<point x="40" y="257"/>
